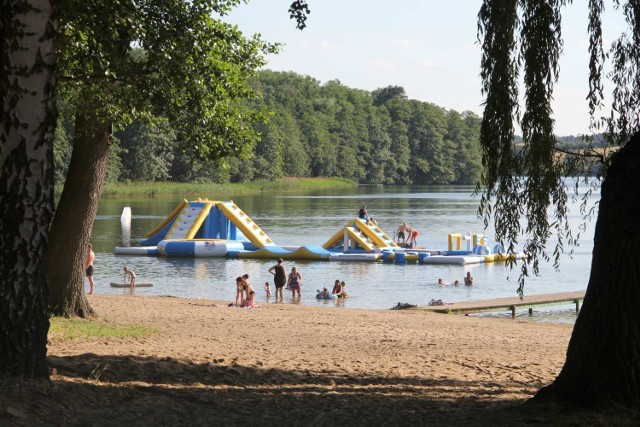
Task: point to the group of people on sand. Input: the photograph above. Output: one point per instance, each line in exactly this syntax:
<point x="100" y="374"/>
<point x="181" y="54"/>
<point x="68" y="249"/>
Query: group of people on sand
<point x="293" y="281"/>
<point x="468" y="281"/>
<point x="407" y="236"/>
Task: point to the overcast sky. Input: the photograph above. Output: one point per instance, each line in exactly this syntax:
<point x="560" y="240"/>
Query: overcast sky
<point x="429" y="47"/>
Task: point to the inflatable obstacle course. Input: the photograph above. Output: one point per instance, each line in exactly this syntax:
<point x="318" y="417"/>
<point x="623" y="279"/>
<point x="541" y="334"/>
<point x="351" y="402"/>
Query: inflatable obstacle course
<point x="213" y="228"/>
<point x="358" y="234"/>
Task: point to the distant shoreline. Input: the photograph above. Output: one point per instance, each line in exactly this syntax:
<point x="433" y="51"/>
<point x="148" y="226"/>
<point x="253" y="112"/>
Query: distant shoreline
<point x="185" y="189"/>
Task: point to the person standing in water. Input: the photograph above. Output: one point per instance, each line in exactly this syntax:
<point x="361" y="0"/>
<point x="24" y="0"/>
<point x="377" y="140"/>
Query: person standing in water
<point x="468" y="280"/>
<point x="295" y="282"/>
<point x="279" y="278"/>
<point x="130" y="276"/>
<point x="88" y="266"/>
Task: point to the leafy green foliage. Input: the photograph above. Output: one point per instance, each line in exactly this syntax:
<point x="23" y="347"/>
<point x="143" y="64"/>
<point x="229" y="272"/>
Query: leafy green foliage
<point x="299" y="11"/>
<point x="319" y="130"/>
<point x="164" y="58"/>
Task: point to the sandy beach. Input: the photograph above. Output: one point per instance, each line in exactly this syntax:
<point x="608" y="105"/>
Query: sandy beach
<point x="283" y="364"/>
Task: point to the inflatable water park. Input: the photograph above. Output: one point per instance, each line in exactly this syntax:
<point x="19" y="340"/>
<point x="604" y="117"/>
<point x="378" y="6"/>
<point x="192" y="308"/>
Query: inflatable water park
<point x="209" y="228"/>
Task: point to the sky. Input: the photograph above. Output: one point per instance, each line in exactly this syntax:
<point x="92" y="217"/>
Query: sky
<point x="429" y="47"/>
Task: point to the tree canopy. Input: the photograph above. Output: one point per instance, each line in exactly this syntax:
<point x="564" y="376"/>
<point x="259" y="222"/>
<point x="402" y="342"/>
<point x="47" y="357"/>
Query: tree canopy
<point x="316" y="130"/>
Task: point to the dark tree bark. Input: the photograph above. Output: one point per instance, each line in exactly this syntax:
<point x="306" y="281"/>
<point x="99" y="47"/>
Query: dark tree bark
<point x="76" y="212"/>
<point x="603" y="358"/>
<point x="27" y="125"/>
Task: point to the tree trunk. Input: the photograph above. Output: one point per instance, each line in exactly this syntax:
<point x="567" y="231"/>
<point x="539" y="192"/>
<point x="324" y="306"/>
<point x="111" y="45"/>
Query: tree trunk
<point x="603" y="358"/>
<point x="76" y="212"/>
<point x="27" y="125"/>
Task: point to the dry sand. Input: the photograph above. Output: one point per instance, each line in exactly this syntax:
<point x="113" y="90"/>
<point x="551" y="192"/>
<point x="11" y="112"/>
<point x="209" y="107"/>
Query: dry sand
<point x="283" y="364"/>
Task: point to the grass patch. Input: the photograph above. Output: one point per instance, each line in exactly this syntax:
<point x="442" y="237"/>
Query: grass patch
<point x="153" y="189"/>
<point x="82" y="328"/>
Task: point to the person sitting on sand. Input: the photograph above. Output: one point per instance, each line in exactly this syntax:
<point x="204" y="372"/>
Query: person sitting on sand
<point x="468" y="281"/>
<point x="267" y="289"/>
<point x="129" y="276"/>
<point x="249" y="301"/>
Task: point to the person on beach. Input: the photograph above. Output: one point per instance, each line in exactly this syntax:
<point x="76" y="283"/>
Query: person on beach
<point x="295" y="282"/>
<point x="279" y="278"/>
<point x="468" y="280"/>
<point x="267" y="290"/>
<point x="129" y="276"/>
<point x="247" y="285"/>
<point x="88" y="266"/>
<point x="240" y="287"/>
<point x="249" y="302"/>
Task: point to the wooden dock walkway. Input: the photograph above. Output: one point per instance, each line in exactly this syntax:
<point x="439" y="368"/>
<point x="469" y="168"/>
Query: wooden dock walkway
<point x="510" y="303"/>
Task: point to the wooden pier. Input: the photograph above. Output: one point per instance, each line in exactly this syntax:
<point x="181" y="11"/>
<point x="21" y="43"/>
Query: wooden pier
<point x="511" y="303"/>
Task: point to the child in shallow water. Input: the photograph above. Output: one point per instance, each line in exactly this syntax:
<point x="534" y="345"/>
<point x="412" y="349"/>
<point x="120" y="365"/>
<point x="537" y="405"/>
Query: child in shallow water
<point x="130" y="276"/>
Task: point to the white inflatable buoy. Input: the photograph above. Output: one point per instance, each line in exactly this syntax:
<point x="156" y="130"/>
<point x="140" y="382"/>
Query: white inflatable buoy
<point x="125" y="218"/>
<point x="125" y="226"/>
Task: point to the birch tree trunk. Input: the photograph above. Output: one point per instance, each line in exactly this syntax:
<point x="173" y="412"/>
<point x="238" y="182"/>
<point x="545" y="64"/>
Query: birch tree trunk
<point x="27" y="125"/>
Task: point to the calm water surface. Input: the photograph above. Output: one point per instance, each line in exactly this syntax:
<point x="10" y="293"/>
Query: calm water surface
<point x="312" y="218"/>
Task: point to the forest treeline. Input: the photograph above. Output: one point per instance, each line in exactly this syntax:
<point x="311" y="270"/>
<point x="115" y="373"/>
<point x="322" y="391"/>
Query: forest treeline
<point x="315" y="129"/>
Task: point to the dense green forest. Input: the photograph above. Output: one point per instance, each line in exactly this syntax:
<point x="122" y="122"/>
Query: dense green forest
<point x="315" y="129"/>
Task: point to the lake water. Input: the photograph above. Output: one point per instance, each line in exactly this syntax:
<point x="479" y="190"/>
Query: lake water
<point x="312" y="218"/>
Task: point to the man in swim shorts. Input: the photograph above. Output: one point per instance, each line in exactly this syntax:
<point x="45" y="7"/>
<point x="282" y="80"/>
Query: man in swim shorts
<point x="88" y="266"/>
<point x="279" y="278"/>
<point x="400" y="233"/>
